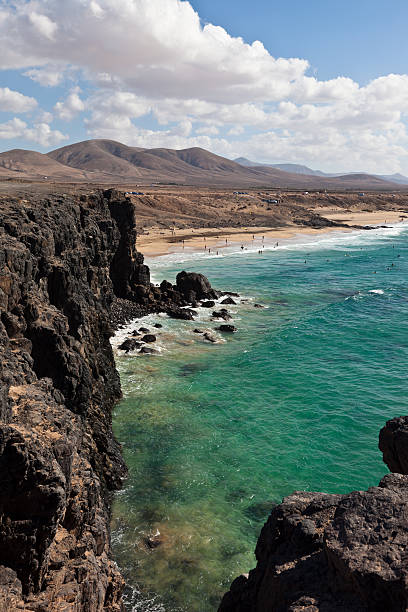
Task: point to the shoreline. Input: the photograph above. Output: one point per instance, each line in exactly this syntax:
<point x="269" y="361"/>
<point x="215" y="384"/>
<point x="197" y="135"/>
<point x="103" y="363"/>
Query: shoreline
<point x="214" y="240"/>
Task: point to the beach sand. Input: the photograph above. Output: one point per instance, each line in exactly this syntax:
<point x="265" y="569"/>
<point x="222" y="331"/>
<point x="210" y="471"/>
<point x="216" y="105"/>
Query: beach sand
<point x="158" y="241"/>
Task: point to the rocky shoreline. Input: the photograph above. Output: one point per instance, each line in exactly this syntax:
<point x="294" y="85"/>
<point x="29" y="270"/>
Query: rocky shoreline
<point x="69" y="275"/>
<point x="343" y="553"/>
<point x="65" y="262"/>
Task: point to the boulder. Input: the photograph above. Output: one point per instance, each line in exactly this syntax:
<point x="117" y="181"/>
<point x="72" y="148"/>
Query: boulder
<point x="149" y="338"/>
<point x="208" y="304"/>
<point x="158" y="325"/>
<point x="130" y="344"/>
<point x="227" y="328"/>
<point x="228" y="300"/>
<point x="222" y="314"/>
<point x="176" y="312"/>
<point x="145" y="330"/>
<point x="187" y="282"/>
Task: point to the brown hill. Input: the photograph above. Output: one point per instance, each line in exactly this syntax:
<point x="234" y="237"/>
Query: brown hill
<point x="107" y="161"/>
<point x="20" y="163"/>
<point x="194" y="166"/>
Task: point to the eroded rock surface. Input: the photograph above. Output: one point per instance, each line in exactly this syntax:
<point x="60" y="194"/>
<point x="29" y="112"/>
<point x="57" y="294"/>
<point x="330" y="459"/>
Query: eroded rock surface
<point x="69" y="271"/>
<point x="59" y="461"/>
<point x="335" y="553"/>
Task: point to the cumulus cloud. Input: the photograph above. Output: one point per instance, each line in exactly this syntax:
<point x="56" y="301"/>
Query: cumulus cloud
<point x="47" y="77"/>
<point x="39" y="133"/>
<point x="152" y="46"/>
<point x="70" y="107"/>
<point x="155" y="58"/>
<point x="15" y="102"/>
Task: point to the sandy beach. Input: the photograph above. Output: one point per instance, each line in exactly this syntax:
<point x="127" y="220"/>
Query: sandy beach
<point x="159" y="241"/>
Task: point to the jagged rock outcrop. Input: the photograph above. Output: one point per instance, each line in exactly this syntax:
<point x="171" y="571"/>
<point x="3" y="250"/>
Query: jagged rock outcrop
<point x="61" y="261"/>
<point x="335" y="553"/>
<point x="69" y="268"/>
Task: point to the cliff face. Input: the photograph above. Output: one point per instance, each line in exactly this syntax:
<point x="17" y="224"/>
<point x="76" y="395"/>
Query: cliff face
<point x="345" y="553"/>
<point x="62" y="262"/>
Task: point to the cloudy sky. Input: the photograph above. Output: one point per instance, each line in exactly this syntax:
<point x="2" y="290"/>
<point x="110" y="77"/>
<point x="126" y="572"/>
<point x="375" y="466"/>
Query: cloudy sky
<point x="319" y="82"/>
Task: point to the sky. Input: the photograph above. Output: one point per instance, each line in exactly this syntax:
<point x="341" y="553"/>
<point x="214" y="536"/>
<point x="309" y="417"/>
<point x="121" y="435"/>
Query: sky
<point x="322" y="83"/>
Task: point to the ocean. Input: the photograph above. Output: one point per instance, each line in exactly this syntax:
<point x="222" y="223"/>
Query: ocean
<point x="215" y="434"/>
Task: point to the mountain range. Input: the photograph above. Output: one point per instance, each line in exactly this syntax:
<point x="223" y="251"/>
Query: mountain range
<point x="107" y="161"/>
<point x="299" y="169"/>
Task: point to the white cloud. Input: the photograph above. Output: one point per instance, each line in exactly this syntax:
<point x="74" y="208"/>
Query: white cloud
<point x="39" y="133"/>
<point x="210" y="130"/>
<point x="47" y="77"/>
<point x="73" y="105"/>
<point x="15" y="102"/>
<point x="43" y="24"/>
<point x="154" y="57"/>
<point x="153" y="46"/>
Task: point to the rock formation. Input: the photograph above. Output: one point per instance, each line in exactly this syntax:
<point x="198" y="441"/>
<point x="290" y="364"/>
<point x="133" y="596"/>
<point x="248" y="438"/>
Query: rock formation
<point x="68" y="268"/>
<point x="59" y="461"/>
<point x="335" y="553"/>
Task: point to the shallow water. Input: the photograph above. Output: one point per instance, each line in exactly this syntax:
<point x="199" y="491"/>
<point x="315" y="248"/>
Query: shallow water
<point x="214" y="435"/>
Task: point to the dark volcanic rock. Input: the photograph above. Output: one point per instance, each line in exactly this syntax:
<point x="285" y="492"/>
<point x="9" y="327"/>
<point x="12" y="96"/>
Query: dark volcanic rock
<point x="149" y="338"/>
<point x="222" y="314"/>
<point x="158" y="325"/>
<point x="129" y="345"/>
<point x="209" y="304"/>
<point x="227" y="328"/>
<point x="341" y="553"/>
<point x="181" y="313"/>
<point x="195" y="286"/>
<point x="394" y="444"/>
<point x="228" y="300"/>
<point x="210" y="337"/>
<point x="148" y="350"/>
<point x="145" y="330"/>
<point x="61" y="261"/>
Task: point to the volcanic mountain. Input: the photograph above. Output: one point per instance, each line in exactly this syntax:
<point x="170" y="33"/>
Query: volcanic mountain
<point x="107" y="161"/>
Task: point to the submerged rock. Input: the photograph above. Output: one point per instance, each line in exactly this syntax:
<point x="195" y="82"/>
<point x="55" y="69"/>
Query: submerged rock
<point x="158" y="325"/>
<point x="210" y="337"/>
<point x="148" y="350"/>
<point x="144" y="330"/>
<point x="227" y="328"/>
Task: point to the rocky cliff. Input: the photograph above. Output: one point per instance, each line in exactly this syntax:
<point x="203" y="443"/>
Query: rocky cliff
<point x="69" y="269"/>
<point x="62" y="262"/>
<point x="335" y="553"/>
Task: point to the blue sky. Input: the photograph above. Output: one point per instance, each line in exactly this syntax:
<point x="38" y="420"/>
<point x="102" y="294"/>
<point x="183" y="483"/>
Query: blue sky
<point x="362" y="39"/>
<point x="323" y="83"/>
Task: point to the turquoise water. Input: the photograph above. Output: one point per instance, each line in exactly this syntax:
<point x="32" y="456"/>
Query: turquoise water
<point x="214" y="435"/>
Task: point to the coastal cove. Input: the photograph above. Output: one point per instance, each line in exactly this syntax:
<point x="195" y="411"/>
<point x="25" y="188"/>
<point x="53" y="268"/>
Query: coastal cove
<point x="215" y="434"/>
